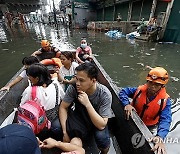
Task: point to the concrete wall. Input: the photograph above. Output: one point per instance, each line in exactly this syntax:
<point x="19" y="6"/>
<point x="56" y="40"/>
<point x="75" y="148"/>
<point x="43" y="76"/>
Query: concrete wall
<point x="82" y="16"/>
<point x="172" y="33"/>
<point x="124" y="26"/>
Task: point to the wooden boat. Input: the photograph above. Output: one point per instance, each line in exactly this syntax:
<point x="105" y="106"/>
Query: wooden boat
<point x="128" y="137"/>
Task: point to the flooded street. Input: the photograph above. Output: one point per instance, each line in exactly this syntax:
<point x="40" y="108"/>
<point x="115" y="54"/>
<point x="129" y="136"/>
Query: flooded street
<point x="122" y="59"/>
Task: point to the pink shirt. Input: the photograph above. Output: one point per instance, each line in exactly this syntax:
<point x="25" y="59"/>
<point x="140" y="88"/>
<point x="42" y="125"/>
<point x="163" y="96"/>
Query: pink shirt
<point x="87" y="50"/>
<point x="72" y="152"/>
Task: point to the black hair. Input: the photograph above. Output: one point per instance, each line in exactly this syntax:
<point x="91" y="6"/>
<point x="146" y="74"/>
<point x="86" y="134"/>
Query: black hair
<point x="30" y="60"/>
<point x="89" y="68"/>
<point x="68" y="55"/>
<point x="40" y="71"/>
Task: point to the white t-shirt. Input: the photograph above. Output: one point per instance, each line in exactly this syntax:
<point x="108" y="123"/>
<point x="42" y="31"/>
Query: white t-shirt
<point x="46" y="96"/>
<point x="23" y="74"/>
<point x="65" y="72"/>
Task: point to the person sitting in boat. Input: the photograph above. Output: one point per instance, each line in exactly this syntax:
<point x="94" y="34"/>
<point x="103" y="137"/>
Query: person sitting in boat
<point x="67" y="70"/>
<point x="86" y="108"/>
<point x="74" y="147"/>
<point x="46" y="47"/>
<point x="84" y="52"/>
<point x="152" y="104"/>
<point x="27" y="61"/>
<point x="18" y="139"/>
<point x="48" y="93"/>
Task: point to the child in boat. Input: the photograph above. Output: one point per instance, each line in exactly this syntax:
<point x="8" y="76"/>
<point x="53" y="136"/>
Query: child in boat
<point x="84" y="52"/>
<point x="46" y="47"/>
<point x="152" y="104"/>
<point x="48" y="93"/>
<point x="27" y="61"/>
<point x="67" y="70"/>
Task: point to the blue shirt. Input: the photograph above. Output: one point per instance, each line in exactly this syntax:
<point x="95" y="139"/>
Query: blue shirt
<point x="165" y="115"/>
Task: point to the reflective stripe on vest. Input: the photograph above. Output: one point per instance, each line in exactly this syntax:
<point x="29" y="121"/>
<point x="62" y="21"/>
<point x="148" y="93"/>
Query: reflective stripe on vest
<point x="149" y="112"/>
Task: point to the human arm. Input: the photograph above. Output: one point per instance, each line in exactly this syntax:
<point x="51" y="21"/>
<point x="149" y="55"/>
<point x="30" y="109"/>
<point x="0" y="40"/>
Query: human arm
<point x="159" y="146"/>
<point x="124" y="96"/>
<point x="58" y="52"/>
<point x="96" y="119"/>
<point x="26" y="95"/>
<point x="66" y="147"/>
<point x="90" y="52"/>
<point x="165" y="120"/>
<point x="38" y="52"/>
<point x="77" y="56"/>
<point x="163" y="128"/>
<point x="12" y="83"/>
<point x="63" y="109"/>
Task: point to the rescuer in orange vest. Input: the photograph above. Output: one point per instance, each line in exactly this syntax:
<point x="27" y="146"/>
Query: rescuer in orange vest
<point x="152" y="104"/>
<point x="47" y="47"/>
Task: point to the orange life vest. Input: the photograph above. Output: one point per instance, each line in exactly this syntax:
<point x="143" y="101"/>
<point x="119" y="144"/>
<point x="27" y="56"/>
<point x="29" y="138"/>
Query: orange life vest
<point x="149" y="112"/>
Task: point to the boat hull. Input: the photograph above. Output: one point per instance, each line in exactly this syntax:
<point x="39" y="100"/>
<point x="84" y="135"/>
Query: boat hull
<point x="123" y="132"/>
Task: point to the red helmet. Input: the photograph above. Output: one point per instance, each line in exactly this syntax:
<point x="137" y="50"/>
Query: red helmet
<point x="158" y="75"/>
<point x="45" y="43"/>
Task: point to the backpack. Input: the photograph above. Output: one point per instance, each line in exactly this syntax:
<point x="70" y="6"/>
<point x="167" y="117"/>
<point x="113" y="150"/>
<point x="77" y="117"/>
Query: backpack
<point x="32" y="114"/>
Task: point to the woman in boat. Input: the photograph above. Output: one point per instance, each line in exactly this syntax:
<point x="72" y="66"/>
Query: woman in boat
<point x="27" y="61"/>
<point x="67" y="70"/>
<point x="84" y="52"/>
<point x="46" y="47"/>
<point x="47" y="91"/>
<point x="152" y="104"/>
<point x="74" y="147"/>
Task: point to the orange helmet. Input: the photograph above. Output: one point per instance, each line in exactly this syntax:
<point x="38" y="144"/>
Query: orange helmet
<point x="158" y="75"/>
<point x="45" y="43"/>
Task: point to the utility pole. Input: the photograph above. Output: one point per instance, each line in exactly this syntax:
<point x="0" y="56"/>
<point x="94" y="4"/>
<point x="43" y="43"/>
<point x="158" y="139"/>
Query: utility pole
<point x="54" y="12"/>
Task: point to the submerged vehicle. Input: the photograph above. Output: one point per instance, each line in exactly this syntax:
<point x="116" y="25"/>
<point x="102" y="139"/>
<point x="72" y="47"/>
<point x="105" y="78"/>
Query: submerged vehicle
<point x="128" y="137"/>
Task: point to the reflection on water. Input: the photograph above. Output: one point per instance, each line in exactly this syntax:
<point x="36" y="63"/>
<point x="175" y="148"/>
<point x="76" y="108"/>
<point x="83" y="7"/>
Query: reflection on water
<point x="3" y="37"/>
<point x="124" y="60"/>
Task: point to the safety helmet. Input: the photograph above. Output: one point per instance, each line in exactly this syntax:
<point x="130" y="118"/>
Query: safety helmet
<point x="45" y="43"/>
<point x="158" y="75"/>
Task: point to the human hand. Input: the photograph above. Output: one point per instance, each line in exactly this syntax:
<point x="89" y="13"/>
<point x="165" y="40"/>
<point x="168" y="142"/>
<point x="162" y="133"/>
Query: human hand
<point x="33" y="54"/>
<point x="128" y="110"/>
<point x="56" y="69"/>
<point x="49" y="143"/>
<point x="159" y="145"/>
<point x="5" y="88"/>
<point x="39" y="142"/>
<point x="148" y="67"/>
<point x="66" y="81"/>
<point x="83" y="98"/>
<point x="66" y="138"/>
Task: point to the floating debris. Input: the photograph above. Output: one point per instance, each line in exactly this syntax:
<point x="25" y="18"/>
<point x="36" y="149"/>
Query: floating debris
<point x="141" y="64"/>
<point x="174" y="79"/>
<point x="148" y="54"/>
<point x="152" y="49"/>
<point x="5" y="49"/>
